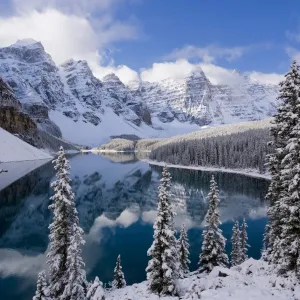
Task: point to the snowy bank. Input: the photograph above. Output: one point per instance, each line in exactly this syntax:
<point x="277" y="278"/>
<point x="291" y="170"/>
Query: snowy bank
<point x="252" y="280"/>
<point x="14" y="149"/>
<point x="246" y="172"/>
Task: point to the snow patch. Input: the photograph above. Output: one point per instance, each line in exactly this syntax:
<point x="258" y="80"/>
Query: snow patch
<point x="246" y="172"/>
<point x="252" y="280"/>
<point x="14" y="149"/>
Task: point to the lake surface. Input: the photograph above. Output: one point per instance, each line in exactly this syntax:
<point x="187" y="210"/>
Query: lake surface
<point x="116" y="198"/>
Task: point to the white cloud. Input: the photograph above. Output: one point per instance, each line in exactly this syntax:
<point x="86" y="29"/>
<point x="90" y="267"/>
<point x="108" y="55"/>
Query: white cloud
<point x="149" y="216"/>
<point x="64" y="36"/>
<point x="125" y="219"/>
<point x="181" y="68"/>
<point x="160" y="71"/>
<point x="79" y="7"/>
<point x="67" y="31"/>
<point x="207" y="54"/>
<point x="219" y="75"/>
<point x="123" y="72"/>
<point x="271" y="78"/>
<point x="216" y="74"/>
<point x="56" y="32"/>
<point x="13" y="262"/>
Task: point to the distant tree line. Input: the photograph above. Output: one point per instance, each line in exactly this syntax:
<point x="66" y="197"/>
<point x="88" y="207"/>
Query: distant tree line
<point x="244" y="150"/>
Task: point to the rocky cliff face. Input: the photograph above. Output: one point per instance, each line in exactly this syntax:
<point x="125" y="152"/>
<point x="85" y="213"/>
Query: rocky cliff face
<point x="69" y="101"/>
<point x="32" y="75"/>
<point x="12" y="118"/>
<point x="25" y="121"/>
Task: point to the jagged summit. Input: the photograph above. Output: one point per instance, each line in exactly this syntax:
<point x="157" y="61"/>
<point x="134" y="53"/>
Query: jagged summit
<point x="77" y="66"/>
<point x="27" y="43"/>
<point x="28" y="51"/>
<point x="72" y="61"/>
<point x="112" y="78"/>
<point x="197" y="72"/>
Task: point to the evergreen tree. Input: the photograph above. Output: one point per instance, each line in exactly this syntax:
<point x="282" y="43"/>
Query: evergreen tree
<point x="66" y="274"/>
<point x="75" y="287"/>
<point x="244" y="241"/>
<point x="236" y="253"/>
<point x="119" y="279"/>
<point x="42" y="290"/>
<point x="183" y="249"/>
<point x="213" y="247"/>
<point x="162" y="269"/>
<point x="96" y="290"/>
<point x="282" y="236"/>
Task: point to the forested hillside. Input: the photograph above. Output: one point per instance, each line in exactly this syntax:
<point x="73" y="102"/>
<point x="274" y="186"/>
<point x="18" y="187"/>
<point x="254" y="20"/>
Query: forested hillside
<point x="241" y="150"/>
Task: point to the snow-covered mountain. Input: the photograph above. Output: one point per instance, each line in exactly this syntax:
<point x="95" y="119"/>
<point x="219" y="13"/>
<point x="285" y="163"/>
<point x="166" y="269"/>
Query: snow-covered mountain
<point x="195" y="100"/>
<point x="70" y="102"/>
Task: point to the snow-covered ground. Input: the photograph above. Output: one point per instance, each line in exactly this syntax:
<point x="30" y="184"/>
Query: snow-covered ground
<point x="14" y="149"/>
<point x="247" y="172"/>
<point x="252" y="280"/>
<point x="85" y="133"/>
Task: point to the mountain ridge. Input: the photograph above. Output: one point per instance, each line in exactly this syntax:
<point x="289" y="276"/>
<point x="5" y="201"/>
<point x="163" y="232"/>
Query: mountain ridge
<point x="69" y="101"/>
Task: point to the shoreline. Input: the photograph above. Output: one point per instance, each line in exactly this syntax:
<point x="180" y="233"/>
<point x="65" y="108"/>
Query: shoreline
<point x="18" y="169"/>
<point x="250" y="173"/>
<point x="115" y="151"/>
<point x="245" y="172"/>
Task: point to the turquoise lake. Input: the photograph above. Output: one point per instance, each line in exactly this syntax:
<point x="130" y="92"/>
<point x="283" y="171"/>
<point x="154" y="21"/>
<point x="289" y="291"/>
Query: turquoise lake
<point x="116" y="197"/>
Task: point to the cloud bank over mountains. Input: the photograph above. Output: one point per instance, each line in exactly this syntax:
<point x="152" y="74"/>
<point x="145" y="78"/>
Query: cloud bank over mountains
<point x="72" y="29"/>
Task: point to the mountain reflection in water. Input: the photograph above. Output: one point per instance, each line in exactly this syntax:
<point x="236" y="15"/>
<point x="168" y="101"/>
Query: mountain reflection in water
<point x="116" y="197"/>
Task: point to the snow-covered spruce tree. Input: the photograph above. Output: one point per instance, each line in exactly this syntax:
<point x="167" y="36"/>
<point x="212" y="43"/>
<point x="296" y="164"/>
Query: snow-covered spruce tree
<point x="213" y="247"/>
<point x="282" y="231"/>
<point x="162" y="269"/>
<point x="183" y="249"/>
<point x="96" y="290"/>
<point x="236" y="252"/>
<point x="77" y="283"/>
<point x="119" y="278"/>
<point x="286" y="253"/>
<point x="66" y="274"/>
<point x="42" y="290"/>
<point x="244" y="241"/>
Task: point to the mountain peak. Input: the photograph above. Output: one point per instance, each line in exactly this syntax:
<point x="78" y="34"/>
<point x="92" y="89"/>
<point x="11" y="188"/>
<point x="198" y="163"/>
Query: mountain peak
<point x="112" y="77"/>
<point x="197" y="75"/>
<point x="27" y="43"/>
<point x="73" y="62"/>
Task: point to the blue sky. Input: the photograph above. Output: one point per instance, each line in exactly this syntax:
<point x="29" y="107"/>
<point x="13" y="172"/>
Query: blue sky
<point x="261" y="25"/>
<point x="155" y="39"/>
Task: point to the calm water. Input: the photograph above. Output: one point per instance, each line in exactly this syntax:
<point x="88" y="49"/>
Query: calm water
<point x="116" y="199"/>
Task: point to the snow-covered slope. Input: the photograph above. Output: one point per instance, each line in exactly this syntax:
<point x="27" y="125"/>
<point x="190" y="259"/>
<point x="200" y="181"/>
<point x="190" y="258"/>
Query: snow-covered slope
<point x="252" y="280"/>
<point x="14" y="149"/>
<point x="69" y="101"/>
